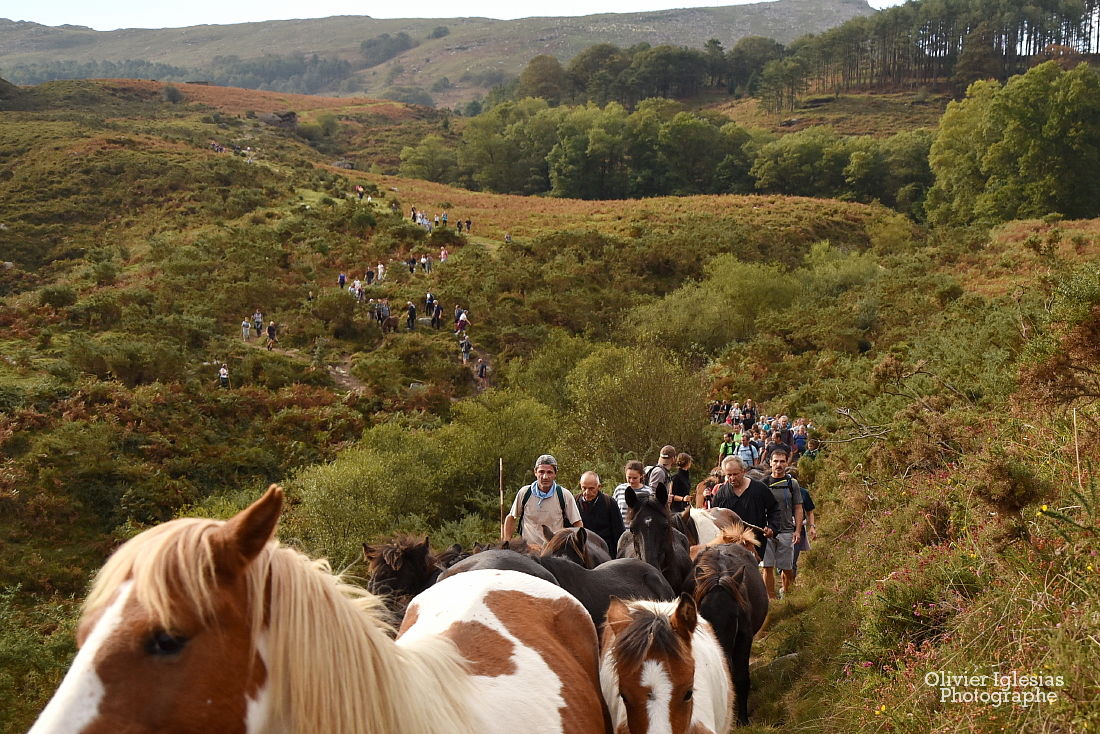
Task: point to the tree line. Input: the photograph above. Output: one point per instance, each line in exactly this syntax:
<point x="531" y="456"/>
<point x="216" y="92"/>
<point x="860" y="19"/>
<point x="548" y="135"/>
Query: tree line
<point x="1022" y="149"/>
<point x="593" y="152"/>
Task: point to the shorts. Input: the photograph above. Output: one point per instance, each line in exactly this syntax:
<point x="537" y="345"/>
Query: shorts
<point x="779" y="553"/>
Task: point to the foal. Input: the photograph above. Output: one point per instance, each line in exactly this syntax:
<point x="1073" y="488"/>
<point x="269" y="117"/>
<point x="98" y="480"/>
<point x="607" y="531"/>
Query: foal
<point x="662" y="670"/>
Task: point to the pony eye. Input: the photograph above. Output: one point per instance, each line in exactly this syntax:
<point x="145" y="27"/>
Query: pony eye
<point x="162" y="643"/>
<point x="687" y="696"/>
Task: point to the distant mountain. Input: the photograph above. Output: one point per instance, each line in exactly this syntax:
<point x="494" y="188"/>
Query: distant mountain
<point x="452" y="59"/>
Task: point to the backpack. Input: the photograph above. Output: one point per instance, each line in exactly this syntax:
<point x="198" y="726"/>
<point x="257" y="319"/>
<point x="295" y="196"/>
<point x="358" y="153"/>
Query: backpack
<point x="648" y="472"/>
<point x="527" y="496"/>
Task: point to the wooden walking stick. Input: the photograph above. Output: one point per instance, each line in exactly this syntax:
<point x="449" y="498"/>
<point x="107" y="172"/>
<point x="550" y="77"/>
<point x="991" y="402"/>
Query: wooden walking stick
<point x="501" y="460"/>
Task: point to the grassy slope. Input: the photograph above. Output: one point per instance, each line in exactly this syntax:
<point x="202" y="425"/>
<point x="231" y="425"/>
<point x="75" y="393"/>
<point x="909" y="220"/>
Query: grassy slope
<point x="880" y="534"/>
<point x="474" y="44"/>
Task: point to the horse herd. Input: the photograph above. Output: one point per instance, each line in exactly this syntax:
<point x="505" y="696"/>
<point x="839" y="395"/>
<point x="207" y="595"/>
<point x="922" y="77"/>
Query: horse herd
<point x="202" y="625"/>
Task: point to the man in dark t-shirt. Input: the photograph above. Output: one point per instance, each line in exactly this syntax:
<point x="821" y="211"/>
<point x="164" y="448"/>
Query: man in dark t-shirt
<point x="750" y="499"/>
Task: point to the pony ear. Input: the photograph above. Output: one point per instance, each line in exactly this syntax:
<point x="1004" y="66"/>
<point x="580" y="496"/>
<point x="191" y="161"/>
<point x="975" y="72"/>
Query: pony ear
<point x="618" y="616"/>
<point x="662" y="493"/>
<point x="579" y="540"/>
<point x="547" y="532"/>
<point x="631" y="497"/>
<point x="685" y="617"/>
<point x="368" y="552"/>
<point x="244" y="535"/>
<point x="426" y="545"/>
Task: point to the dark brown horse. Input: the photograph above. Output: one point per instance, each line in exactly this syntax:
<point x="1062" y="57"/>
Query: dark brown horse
<point x="403" y="567"/>
<point x="730" y="594"/>
<point x="651" y="537"/>
<point x="577" y="545"/>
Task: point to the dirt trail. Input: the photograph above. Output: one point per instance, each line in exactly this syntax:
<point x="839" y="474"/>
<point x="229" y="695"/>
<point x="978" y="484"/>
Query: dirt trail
<point x="339" y="372"/>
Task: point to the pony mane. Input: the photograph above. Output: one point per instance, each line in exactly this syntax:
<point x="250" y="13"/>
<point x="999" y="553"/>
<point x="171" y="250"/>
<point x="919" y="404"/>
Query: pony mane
<point x="711" y="574"/>
<point x="331" y="666"/>
<point x="393" y="553"/>
<point x="650" y="630"/>
<point x="737" y="534"/>
<point x="560" y="542"/>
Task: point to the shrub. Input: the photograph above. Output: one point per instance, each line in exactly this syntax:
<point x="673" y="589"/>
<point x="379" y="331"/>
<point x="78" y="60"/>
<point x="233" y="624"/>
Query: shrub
<point x="58" y="296"/>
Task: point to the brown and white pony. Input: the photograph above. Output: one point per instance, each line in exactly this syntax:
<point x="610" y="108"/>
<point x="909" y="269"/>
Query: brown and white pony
<point x="662" y="671"/>
<point x="200" y="626"/>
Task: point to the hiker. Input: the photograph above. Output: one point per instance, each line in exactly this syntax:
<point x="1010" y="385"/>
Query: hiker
<point x="272" y="338"/>
<point x="680" y="492"/>
<point x="661" y="472"/>
<point x="246" y="328"/>
<point x="437" y="315"/>
<point x="466" y="348"/>
<point x="424" y="264"/>
<point x="443" y="254"/>
<point x="748" y="414"/>
<point x="632" y="472"/>
<point x="508" y="238"/>
<point x="749" y="498"/>
<point x="360" y="190"/>
<point x="223" y="376"/>
<point x="463" y="323"/>
<point x="381" y="272"/>
<point x="809" y="529"/>
<point x="748" y="453"/>
<point x="728" y="447"/>
<point x="410" y="320"/>
<point x="542" y="502"/>
<point x="599" y="513"/>
<point x="469" y="224"/>
<point x="481" y="370"/>
<point x="342" y="279"/>
<point x="788" y="496"/>
<point x="258" y="322"/>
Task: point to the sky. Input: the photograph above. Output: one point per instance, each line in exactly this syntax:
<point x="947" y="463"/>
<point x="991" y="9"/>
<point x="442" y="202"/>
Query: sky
<point x="107" y="15"/>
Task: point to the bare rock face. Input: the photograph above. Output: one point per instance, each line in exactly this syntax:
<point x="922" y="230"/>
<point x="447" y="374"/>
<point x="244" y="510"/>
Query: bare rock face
<point x="286" y="120"/>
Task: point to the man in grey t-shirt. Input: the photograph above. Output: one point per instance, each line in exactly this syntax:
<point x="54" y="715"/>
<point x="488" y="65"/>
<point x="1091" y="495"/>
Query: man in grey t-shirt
<point x="661" y="472"/>
<point x="779" y="552"/>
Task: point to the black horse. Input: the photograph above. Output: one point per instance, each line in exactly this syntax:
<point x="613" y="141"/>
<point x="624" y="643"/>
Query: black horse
<point x="503" y="560"/>
<point x="576" y="544"/>
<point x="404" y="567"/>
<point x="730" y="594"/>
<point x="651" y="537"/>
<point x="626" y="578"/>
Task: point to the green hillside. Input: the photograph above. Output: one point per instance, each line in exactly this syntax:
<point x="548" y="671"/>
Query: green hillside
<point x="950" y="370"/>
<point x="475" y="54"/>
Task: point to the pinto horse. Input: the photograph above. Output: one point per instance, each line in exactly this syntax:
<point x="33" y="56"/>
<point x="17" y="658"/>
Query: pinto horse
<point x="662" y="670"/>
<point x="199" y="626"/>
<point x="577" y="544"/>
<point x="731" y="596"/>
<point x="651" y="537"/>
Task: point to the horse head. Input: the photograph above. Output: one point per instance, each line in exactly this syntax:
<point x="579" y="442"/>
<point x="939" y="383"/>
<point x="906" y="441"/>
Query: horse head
<point x="174" y="610"/>
<point x="569" y="543"/>
<point x="400" y="569"/>
<point x="650" y="525"/>
<point x="648" y="670"/>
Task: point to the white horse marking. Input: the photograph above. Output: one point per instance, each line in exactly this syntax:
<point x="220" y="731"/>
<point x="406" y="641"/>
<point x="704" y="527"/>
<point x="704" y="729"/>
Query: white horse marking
<point x="75" y="705"/>
<point x="655" y="677"/>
